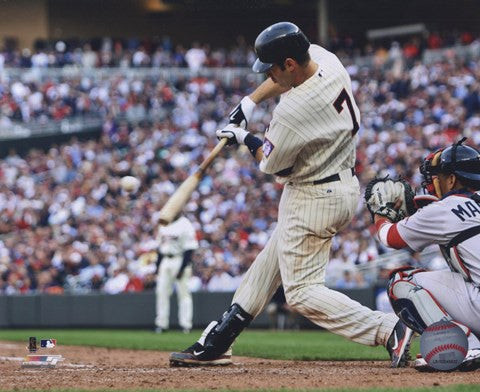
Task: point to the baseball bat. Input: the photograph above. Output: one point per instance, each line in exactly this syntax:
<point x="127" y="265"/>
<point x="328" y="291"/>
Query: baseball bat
<point x="180" y="197"/>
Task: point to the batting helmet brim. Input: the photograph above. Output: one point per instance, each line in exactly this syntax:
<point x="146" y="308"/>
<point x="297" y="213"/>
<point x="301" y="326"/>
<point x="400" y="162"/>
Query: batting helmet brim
<point x="261" y="67"/>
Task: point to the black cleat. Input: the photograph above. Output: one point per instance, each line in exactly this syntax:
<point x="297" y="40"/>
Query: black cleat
<point x="196" y="356"/>
<point x="398" y="345"/>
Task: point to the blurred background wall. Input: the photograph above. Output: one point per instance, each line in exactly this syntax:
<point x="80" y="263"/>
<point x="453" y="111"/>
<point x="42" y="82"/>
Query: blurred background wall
<point x="220" y="22"/>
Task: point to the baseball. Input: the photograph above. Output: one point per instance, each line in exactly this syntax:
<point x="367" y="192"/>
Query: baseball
<point x="443" y="345"/>
<point x="130" y="183"/>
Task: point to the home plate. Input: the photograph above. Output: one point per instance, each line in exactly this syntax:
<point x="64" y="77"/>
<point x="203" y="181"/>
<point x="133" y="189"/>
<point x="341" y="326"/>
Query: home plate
<point x="34" y="364"/>
<point x="18" y="359"/>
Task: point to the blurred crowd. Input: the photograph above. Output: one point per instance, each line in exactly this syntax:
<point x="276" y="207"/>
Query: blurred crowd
<point x="69" y="227"/>
<point x="164" y="52"/>
<point x="411" y="45"/>
<point x="125" y="53"/>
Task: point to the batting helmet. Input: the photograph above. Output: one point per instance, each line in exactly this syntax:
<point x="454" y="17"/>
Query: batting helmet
<point x="276" y="43"/>
<point x="463" y="161"/>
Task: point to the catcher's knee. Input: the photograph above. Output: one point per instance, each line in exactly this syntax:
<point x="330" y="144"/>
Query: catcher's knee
<point x="413" y="304"/>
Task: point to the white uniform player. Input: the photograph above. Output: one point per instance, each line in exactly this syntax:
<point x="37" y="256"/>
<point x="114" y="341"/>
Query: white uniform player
<point x="310" y="147"/>
<point x="177" y="241"/>
<point x="422" y="297"/>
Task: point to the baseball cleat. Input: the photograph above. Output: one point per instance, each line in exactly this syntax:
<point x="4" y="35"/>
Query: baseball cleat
<point x="196" y="356"/>
<point x="398" y="345"/>
<point x="470" y="363"/>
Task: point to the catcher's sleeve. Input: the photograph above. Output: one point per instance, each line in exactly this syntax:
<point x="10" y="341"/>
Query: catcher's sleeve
<point x="388" y="235"/>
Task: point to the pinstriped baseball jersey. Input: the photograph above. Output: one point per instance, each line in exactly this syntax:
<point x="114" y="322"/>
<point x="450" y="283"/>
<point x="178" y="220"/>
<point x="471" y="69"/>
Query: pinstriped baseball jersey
<point x="310" y="135"/>
<point x="440" y="222"/>
<point x="177" y="237"/>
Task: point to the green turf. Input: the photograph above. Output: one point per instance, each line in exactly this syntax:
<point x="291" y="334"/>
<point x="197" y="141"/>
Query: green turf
<point x="303" y="345"/>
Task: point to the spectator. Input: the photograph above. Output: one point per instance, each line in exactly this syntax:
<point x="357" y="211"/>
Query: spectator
<point x="195" y="57"/>
<point x="117" y="283"/>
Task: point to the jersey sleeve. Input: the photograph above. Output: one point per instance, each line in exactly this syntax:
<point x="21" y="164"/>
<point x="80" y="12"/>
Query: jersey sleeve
<point x="425" y="227"/>
<point x="281" y="147"/>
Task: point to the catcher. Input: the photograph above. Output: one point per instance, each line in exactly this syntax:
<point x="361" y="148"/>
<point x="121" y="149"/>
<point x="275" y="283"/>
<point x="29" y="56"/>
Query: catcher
<point x="449" y="215"/>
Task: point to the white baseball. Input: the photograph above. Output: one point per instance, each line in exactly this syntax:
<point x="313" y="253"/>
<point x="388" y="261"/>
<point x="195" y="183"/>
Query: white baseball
<point x="443" y="345"/>
<point x="130" y="183"/>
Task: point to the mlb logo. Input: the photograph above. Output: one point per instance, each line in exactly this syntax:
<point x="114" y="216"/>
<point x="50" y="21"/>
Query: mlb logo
<point x="48" y="343"/>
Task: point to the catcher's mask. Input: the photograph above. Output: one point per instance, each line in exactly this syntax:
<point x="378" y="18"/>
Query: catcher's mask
<point x="463" y="161"/>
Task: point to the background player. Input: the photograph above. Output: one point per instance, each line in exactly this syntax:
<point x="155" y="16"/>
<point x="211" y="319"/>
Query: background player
<point x="177" y="241"/>
<point x="421" y="298"/>
<point x="310" y="148"/>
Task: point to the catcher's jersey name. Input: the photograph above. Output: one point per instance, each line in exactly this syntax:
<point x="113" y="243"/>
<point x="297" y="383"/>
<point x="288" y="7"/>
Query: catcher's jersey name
<point x="468" y="209"/>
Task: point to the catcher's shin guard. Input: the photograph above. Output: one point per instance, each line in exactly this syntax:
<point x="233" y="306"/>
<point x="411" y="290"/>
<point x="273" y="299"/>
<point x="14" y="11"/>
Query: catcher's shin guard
<point x="214" y="346"/>
<point x="413" y="304"/>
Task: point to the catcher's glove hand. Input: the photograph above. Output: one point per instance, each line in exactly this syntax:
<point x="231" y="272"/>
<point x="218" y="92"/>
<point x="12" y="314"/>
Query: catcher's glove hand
<point x="421" y="201"/>
<point x="381" y="195"/>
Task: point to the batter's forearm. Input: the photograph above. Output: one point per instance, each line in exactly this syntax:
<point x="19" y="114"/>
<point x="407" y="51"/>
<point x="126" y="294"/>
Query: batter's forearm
<point x="254" y="145"/>
<point x="268" y="89"/>
<point x="259" y="155"/>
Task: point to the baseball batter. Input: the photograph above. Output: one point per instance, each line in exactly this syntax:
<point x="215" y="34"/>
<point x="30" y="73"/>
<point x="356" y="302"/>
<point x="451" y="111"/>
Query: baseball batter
<point x="309" y="147"/>
<point x="177" y="241"/>
<point x="421" y="297"/>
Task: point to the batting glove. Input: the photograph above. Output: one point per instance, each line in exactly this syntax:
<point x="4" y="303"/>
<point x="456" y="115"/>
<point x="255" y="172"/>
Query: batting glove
<point x="242" y="113"/>
<point x="234" y="134"/>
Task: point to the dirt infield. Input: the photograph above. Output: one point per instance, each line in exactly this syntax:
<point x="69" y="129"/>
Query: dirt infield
<point x="101" y="368"/>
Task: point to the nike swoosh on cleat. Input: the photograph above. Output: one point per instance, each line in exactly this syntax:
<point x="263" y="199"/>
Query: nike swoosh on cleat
<point x="395" y="346"/>
<point x="198" y="352"/>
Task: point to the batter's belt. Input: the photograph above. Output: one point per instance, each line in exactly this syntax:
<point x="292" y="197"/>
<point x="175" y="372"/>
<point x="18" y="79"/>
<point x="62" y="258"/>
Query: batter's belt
<point x="332" y="178"/>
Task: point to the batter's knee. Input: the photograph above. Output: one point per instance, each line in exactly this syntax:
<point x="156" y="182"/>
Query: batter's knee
<point x="295" y="297"/>
<point x="292" y="296"/>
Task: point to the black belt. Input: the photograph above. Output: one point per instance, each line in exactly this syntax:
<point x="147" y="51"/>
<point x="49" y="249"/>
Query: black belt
<point x="333" y="177"/>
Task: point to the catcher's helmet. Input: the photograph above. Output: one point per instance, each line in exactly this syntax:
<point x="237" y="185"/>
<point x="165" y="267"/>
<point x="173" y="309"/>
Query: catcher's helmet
<point x="463" y="161"/>
<point x="276" y="43"/>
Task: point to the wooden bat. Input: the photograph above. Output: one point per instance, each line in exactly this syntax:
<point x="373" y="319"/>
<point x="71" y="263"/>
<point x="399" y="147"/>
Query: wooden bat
<point x="179" y="199"/>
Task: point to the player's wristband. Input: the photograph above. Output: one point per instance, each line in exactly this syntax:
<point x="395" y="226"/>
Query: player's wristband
<point x="253" y="143"/>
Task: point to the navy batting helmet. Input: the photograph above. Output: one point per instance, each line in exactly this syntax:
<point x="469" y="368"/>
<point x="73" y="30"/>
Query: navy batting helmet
<point x="463" y="161"/>
<point x="276" y="43"/>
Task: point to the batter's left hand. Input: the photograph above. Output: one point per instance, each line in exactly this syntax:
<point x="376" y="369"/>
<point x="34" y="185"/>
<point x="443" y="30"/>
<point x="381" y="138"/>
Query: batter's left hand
<point x="234" y="134"/>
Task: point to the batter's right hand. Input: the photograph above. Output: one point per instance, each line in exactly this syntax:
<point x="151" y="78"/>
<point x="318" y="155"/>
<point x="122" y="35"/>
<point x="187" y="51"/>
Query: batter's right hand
<point x="242" y="113"/>
<point x="234" y="134"/>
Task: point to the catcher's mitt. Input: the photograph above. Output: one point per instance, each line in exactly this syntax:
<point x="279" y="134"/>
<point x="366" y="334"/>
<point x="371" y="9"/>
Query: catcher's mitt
<point x="382" y="193"/>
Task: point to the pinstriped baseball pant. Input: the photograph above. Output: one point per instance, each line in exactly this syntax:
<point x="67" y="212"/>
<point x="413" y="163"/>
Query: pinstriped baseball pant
<point x="296" y="255"/>
<point x="167" y="277"/>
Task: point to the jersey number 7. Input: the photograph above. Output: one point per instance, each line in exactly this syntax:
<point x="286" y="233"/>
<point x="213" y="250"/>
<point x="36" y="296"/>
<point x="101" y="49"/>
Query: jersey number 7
<point x="338" y="104"/>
